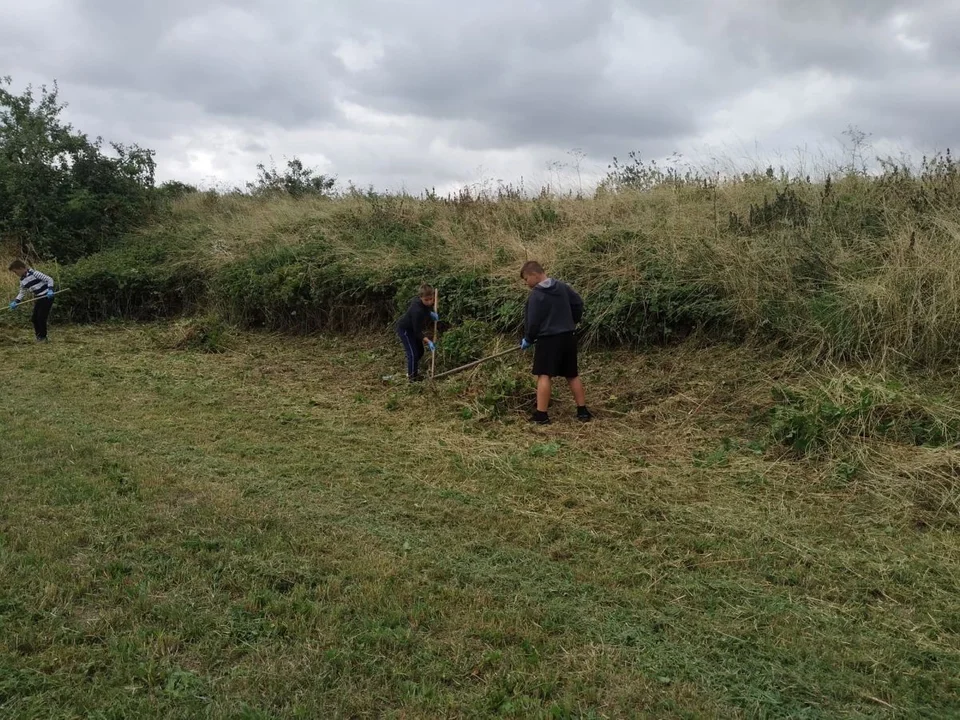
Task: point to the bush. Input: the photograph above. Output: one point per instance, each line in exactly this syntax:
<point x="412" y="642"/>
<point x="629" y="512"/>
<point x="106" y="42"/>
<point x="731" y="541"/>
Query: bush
<point x="465" y="295"/>
<point x="302" y="288"/>
<point x="654" y="310"/>
<point x="145" y="282"/>
<point x="466" y="342"/>
<point x="61" y="196"/>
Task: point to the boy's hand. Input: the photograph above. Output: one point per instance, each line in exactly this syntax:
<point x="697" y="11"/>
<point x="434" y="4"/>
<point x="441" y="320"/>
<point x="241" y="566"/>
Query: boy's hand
<point x="430" y="345"/>
<point x="434" y="316"/>
<point x="524" y="344"/>
<point x="50" y="293"/>
<point x="13" y="304"/>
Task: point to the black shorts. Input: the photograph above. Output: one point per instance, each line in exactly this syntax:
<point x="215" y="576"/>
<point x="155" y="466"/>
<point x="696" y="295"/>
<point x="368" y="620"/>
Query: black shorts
<point x="556" y="356"/>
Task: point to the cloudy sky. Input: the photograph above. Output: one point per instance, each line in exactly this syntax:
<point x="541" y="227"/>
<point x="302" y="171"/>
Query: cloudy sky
<point x="431" y="93"/>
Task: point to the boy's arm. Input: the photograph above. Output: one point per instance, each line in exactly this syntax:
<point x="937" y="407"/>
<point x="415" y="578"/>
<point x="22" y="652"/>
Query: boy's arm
<point x="534" y="318"/>
<point x="421" y="314"/>
<point x="576" y="304"/>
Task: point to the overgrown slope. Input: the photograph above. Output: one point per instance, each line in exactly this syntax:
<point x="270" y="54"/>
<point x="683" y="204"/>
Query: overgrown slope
<point x="854" y="268"/>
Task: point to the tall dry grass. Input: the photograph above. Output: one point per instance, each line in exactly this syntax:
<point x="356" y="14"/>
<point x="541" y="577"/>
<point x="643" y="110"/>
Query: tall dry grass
<point x="854" y="268"/>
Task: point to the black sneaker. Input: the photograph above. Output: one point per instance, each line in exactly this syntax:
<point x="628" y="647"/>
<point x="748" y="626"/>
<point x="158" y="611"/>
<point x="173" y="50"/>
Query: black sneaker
<point x="540" y="418"/>
<point x="583" y="415"/>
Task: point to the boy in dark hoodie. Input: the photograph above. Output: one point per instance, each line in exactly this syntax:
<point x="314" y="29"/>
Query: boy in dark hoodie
<point x="552" y="313"/>
<point x="411" y="328"/>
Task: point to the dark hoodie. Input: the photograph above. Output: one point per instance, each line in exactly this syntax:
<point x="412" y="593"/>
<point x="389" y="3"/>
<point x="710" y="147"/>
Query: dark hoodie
<point x="553" y="308"/>
<point x="415" y="320"/>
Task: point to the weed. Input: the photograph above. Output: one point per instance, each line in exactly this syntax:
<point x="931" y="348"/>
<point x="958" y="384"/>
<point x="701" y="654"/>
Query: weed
<point x="465" y="343"/>
<point x="811" y="419"/>
<point x="208" y="334"/>
<point x="545" y="450"/>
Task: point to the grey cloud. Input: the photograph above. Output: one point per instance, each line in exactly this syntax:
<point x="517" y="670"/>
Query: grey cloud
<point x="528" y="79"/>
<point x="607" y="76"/>
<point x="842" y="36"/>
<point x="238" y="59"/>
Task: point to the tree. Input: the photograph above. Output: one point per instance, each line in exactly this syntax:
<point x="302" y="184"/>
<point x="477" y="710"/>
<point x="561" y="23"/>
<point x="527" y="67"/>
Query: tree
<point x="296" y="181"/>
<point x="60" y="195"/>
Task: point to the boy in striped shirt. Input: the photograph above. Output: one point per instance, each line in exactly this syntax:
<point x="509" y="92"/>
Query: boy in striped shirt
<point x="42" y="288"/>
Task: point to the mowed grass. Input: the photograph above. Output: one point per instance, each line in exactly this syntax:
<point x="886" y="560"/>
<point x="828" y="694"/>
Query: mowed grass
<point x="278" y="532"/>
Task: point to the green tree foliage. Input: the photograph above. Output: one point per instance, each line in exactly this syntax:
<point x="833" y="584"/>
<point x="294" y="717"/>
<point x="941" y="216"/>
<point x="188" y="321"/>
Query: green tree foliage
<point x="61" y="196"/>
<point x="297" y="181"/>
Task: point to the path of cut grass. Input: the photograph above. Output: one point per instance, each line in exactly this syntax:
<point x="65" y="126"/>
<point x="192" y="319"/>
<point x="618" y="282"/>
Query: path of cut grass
<point x="276" y="532"/>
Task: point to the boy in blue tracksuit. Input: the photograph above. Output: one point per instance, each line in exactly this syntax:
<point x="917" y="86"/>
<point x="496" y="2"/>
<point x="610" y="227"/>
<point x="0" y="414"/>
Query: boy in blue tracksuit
<point x="41" y="286"/>
<point x="411" y="328"/>
<point x="552" y="313"/>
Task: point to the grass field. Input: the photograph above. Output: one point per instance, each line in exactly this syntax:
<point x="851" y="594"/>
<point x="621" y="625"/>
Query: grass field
<point x="276" y="531"/>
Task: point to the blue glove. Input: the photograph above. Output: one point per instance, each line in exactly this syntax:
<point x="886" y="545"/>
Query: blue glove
<point x="430" y="345"/>
<point x="524" y="344"/>
<point x="13" y="304"/>
<point x="434" y="316"/>
<point x="50" y="293"/>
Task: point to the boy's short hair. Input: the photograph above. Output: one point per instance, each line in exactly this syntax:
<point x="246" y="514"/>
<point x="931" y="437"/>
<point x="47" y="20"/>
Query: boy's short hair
<point x="531" y="267"/>
<point x="17" y="265"/>
<point x="426" y="291"/>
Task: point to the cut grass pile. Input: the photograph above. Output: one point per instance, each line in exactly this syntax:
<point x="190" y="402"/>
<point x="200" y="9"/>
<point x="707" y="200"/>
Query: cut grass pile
<point x="274" y="531"/>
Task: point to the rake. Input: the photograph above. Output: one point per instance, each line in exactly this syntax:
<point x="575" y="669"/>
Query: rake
<point x="34" y="299"/>
<point x="476" y="362"/>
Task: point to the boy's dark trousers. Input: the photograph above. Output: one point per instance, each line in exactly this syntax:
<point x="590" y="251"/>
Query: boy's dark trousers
<point x="41" y="311"/>
<point x="413" y="349"/>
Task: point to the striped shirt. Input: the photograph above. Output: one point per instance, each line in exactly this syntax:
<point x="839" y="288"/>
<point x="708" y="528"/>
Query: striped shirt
<point x="36" y="282"/>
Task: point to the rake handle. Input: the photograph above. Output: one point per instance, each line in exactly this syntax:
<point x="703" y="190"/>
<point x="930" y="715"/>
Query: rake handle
<point x="477" y="362"/>
<point x="34" y="299"/>
<point x="433" y="355"/>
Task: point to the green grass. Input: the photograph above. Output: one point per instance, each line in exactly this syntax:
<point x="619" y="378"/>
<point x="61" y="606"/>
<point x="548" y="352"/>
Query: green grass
<point x="274" y="531"/>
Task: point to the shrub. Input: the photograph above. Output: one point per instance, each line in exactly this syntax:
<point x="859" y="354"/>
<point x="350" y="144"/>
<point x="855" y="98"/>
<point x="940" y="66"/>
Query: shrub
<point x="465" y="295"/>
<point x="466" y="342"/>
<point x="654" y="310"/>
<point x="302" y="288"/>
<point x="145" y="282"/>
<point x="61" y="195"/>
